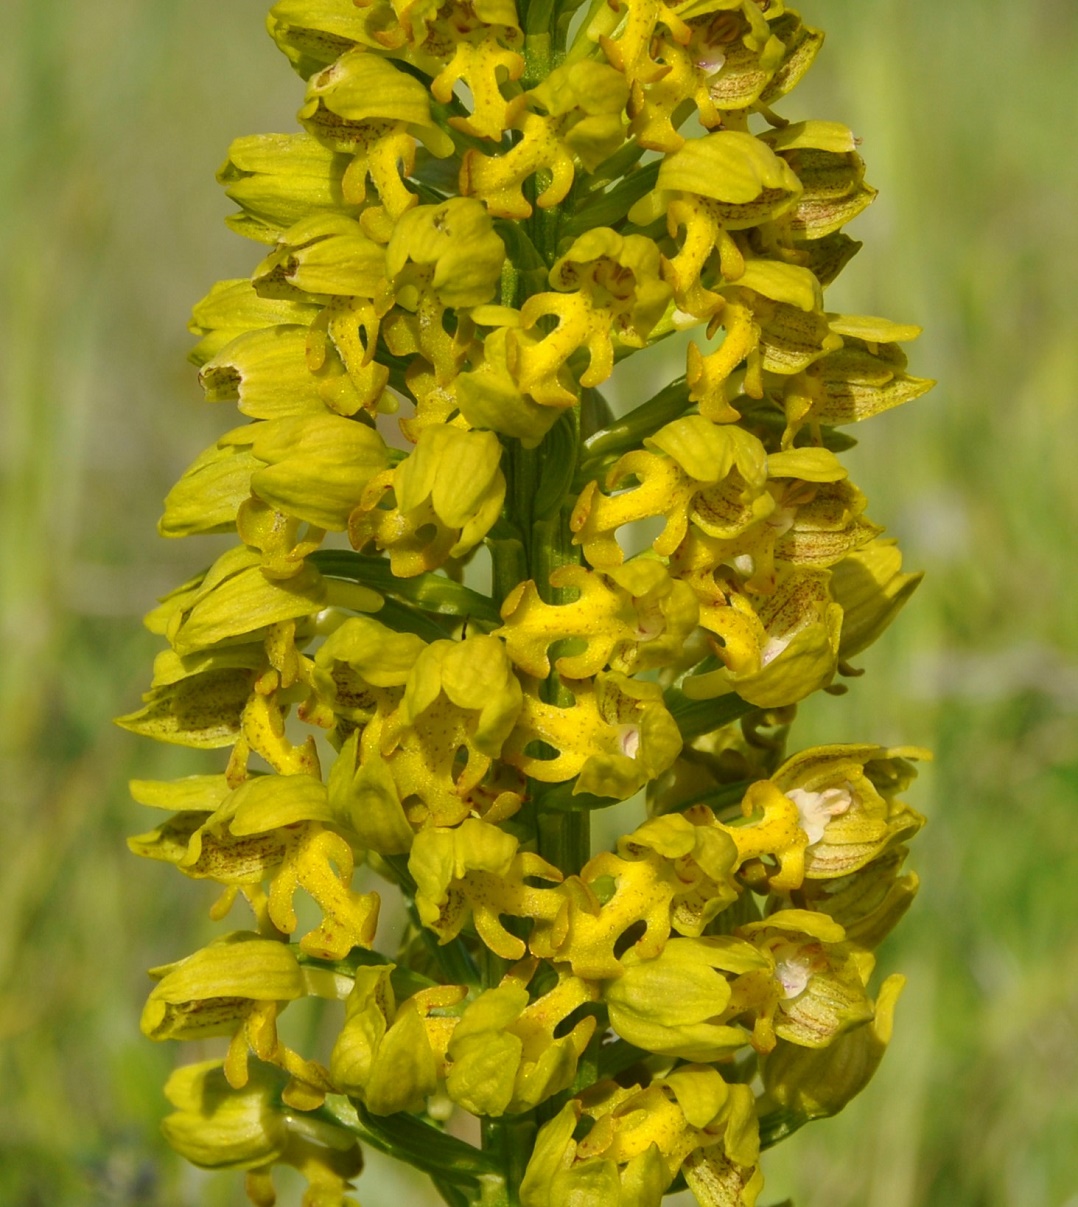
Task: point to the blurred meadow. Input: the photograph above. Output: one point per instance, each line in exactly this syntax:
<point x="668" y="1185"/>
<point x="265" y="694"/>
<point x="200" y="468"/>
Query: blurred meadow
<point x="113" y="118"/>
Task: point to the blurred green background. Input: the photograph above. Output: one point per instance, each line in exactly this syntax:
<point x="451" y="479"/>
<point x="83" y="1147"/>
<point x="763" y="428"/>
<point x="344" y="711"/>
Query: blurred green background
<point x="113" y="117"/>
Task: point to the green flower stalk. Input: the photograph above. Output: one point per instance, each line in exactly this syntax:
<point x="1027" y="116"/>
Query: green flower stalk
<point x="470" y="604"/>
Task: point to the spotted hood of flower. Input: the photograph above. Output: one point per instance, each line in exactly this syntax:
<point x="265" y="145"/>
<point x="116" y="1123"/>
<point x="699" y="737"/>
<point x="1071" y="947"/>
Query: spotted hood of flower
<point x="471" y="597"/>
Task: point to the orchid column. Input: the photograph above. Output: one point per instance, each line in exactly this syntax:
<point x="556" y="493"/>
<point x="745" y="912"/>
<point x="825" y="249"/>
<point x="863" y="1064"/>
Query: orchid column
<point x="500" y="606"/>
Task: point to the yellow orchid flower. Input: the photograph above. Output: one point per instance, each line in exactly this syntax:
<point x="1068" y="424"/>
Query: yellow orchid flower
<point x="451" y="486"/>
<point x="457" y="243"/>
<point x="778" y="650"/>
<point x="609" y="289"/>
<point x="279" y="179"/>
<point x="845" y="798"/>
<point x="867" y="903"/>
<point x="815" y="987"/>
<point x="816" y="1082"/>
<point x="459" y="696"/>
<point x="632" y="617"/>
<point x="824" y="159"/>
<point x="279" y="829"/>
<point x="477" y="869"/>
<point x="665" y="1005"/>
<point x="503" y="1054"/>
<point x="363" y="105"/>
<point x="699" y="471"/>
<point x="584" y="102"/>
<point x="391" y="1056"/>
<point x="236" y="986"/>
<point x="488" y="394"/>
<point x="639" y="1139"/>
<point x="217" y="1126"/>
<point x="616" y="736"/>
<point x="468" y="601"/>
<point x="864" y="377"/>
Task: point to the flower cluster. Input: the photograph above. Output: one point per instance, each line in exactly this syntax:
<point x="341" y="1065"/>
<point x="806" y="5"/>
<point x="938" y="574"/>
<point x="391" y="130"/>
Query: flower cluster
<point x="493" y="606"/>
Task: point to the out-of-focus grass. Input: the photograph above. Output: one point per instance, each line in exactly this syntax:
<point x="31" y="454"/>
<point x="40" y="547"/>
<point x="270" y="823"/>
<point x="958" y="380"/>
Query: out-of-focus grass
<point x="114" y="116"/>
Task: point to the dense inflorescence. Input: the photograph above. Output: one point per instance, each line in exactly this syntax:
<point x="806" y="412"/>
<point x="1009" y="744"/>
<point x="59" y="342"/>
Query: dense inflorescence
<point x="493" y="606"/>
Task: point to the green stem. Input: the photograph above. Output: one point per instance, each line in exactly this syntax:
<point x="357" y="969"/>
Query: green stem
<point x="565" y="838"/>
<point x="524" y="479"/>
<point x="533" y="540"/>
<point x="452" y="1195"/>
<point x="509" y="1140"/>
<point x="509" y="563"/>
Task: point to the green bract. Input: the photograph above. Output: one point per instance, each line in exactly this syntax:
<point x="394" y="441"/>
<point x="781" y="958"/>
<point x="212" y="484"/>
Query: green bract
<point x="469" y="603"/>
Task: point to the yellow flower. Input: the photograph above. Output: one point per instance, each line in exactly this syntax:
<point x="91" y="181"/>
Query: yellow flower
<point x="364" y="106"/>
<point x="448" y="493"/>
<point x="666" y="1005"/>
<point x="237" y="986"/>
<point x="504" y="1055"/>
<point x="814" y="988"/>
<point x="218" y="1126"/>
<point x="813" y="1083"/>
<point x="547" y="608"/>
<point x="392" y="1056"/>
<point x="639" y="1139"/>
<point x="477" y="869"/>
<point x="609" y="290"/>
<point x="584" y="103"/>
<point x="845" y="799"/>
<point x="780" y="650"/>
<point x="615" y="737"/>
<point x="280" y="829"/>
<point x="630" y="618"/>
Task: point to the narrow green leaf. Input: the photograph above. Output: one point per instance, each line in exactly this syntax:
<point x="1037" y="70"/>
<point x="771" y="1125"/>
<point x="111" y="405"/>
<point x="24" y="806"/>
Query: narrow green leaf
<point x="424" y="1147"/>
<point x="669" y="404"/>
<point x="431" y="592"/>
<point x="695" y="717"/>
<point x="610" y="207"/>
<point x="558" y="454"/>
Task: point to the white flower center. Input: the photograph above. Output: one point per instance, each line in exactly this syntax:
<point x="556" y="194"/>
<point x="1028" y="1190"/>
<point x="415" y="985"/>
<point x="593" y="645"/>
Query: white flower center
<point x="815" y="809"/>
<point x="629" y="740"/>
<point x="650" y="623"/>
<point x="781" y="520"/>
<point x="711" y="60"/>
<point x="682" y="320"/>
<point x="793" y="969"/>
<point x="773" y="647"/>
